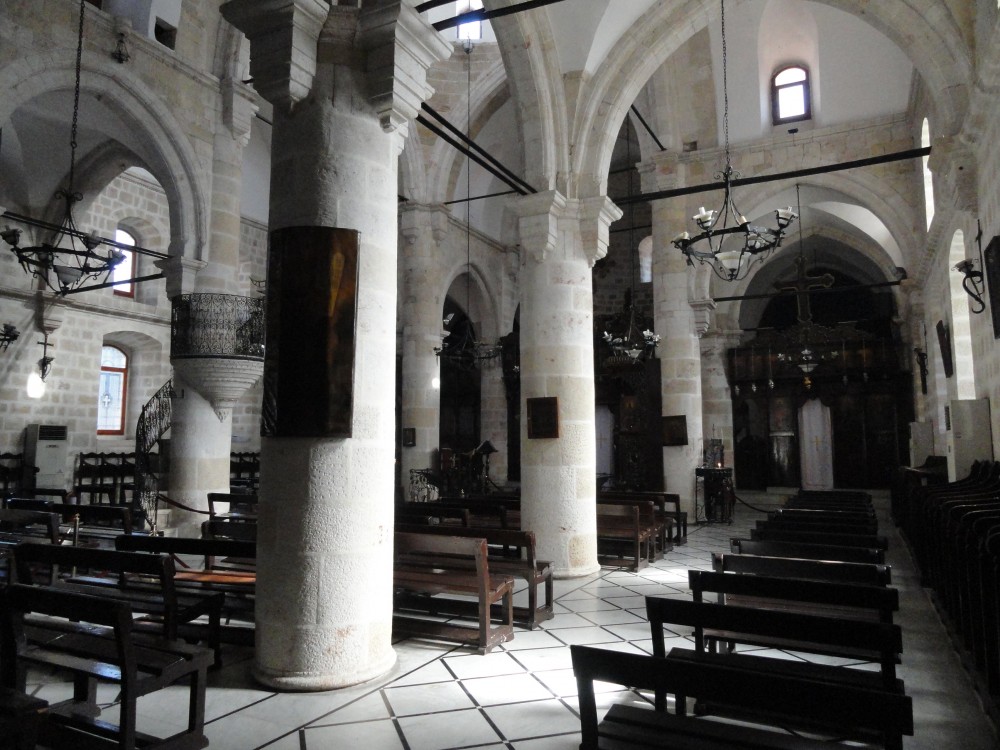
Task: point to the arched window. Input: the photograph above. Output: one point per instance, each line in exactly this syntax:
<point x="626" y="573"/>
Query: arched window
<point x="126" y="269"/>
<point x="473" y="29"/>
<point x="112" y="390"/>
<point x="790" y="100"/>
<point x="925" y="140"/>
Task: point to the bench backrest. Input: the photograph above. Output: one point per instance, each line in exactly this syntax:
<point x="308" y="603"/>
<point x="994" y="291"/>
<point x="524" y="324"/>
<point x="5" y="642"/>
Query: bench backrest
<point x="228" y="549"/>
<point x="628" y="513"/>
<point x="769" y="534"/>
<point x="22" y="521"/>
<point x="509" y="539"/>
<point x="813" y="633"/>
<point x="882" y="601"/>
<point x="420" y="549"/>
<point x="218" y="528"/>
<point x="790" y="567"/>
<point x="807" y="551"/>
<point x="756" y="692"/>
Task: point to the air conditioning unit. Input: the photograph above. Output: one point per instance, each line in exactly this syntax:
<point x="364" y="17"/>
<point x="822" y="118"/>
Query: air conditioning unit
<point x="46" y="449"/>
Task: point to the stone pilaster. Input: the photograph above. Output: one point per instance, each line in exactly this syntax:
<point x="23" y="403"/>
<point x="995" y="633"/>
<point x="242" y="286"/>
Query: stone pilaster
<point x="558" y="490"/>
<point x="423" y="229"/>
<point x="324" y="587"/>
<point x="715" y="391"/>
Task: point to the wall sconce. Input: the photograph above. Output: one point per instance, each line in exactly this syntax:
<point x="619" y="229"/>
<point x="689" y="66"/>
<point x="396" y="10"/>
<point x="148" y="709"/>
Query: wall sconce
<point x="972" y="283"/>
<point x="8" y="336"/>
<point x="922" y="364"/>
<point x="36" y="380"/>
<point x="120" y="52"/>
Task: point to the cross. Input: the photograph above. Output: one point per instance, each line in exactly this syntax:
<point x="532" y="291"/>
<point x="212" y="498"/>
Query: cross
<point x="801" y="285"/>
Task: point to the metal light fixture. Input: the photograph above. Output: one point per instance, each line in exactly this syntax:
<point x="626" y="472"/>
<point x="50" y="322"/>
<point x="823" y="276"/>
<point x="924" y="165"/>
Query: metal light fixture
<point x="121" y="53"/>
<point x="460" y="347"/>
<point x="64" y="268"/>
<point x="36" y="380"/>
<point x="972" y="281"/>
<point x="728" y="242"/>
<point x="8" y="336"/>
<point x="630" y="342"/>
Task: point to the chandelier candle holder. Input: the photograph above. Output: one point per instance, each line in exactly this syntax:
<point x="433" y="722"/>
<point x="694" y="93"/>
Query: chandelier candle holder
<point x="727" y="241"/>
<point x="8" y="336"/>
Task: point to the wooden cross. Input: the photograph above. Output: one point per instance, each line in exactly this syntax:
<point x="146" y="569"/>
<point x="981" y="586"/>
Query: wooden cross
<point x="801" y="285"/>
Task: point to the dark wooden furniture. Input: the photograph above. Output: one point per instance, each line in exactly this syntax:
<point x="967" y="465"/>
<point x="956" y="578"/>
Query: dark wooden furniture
<point x="428" y="568"/>
<point x="816" y="570"/>
<point x="240" y="506"/>
<point x="144" y="583"/>
<point x="660" y="522"/>
<point x="717" y="624"/>
<point x="710" y="682"/>
<point x="510" y="552"/>
<point x="661" y="500"/>
<point x="858" y="601"/>
<point x="21" y="717"/>
<point x="626" y="534"/>
<point x="808" y="536"/>
<point x="30" y="524"/>
<point x="83" y="525"/>
<point x="94" y="639"/>
<point x="807" y="551"/>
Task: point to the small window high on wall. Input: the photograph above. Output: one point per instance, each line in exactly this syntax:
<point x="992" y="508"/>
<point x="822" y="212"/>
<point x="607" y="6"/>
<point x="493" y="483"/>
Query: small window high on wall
<point x="126" y="269"/>
<point x="112" y="390"/>
<point x="474" y="29"/>
<point x="790" y="100"/>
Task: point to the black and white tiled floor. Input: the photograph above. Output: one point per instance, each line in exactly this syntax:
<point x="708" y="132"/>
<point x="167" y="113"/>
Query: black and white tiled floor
<point x="523" y="695"/>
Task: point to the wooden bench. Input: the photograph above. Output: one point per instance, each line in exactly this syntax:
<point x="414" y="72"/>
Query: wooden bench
<point x="21" y="717"/>
<point x="870" y="541"/>
<point x="625" y="534"/>
<point x="877" y="603"/>
<point x="31" y="524"/>
<point x="659" y="523"/>
<point x="510" y="552"/>
<point x="239" y="506"/>
<point x="94" y="639"/>
<point x="227" y="567"/>
<point x="228" y="528"/>
<point x="715" y="624"/>
<point x="428" y="568"/>
<point x="661" y="500"/>
<point x="755" y="692"/>
<point x="432" y="514"/>
<point x="790" y="567"/>
<point x="145" y="583"/>
<point x="835" y="523"/>
<point x="807" y="551"/>
<point x="95" y="525"/>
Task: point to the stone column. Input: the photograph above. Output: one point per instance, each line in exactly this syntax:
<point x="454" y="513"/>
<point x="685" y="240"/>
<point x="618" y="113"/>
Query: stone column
<point x="560" y="241"/>
<point x="716" y="393"/>
<point x="681" y="313"/>
<point x="343" y="81"/>
<point x="423" y="228"/>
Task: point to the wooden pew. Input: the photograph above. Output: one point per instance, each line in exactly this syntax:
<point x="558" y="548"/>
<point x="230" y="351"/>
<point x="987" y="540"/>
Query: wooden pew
<point x="428" y="567"/>
<point x="510" y="552"/>
<point x="625" y="534"/>
<point x="807" y="551"/>
<point x="238" y="506"/>
<point x="627" y="726"/>
<point x="83" y="525"/>
<point x="21" y="717"/>
<point x="659" y="522"/>
<point x="31" y="524"/>
<point x="228" y="568"/>
<point x="816" y="570"/>
<point x="661" y="500"/>
<point x="432" y="514"/>
<point x="877" y="603"/>
<point x="715" y="624"/>
<point x="145" y="583"/>
<point x="769" y="534"/>
<point x="94" y="639"/>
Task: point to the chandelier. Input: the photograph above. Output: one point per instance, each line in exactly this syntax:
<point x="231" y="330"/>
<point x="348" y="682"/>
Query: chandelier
<point x="460" y="346"/>
<point x="727" y="241"/>
<point x="630" y="342"/>
<point x="8" y="335"/>
<point x="70" y="257"/>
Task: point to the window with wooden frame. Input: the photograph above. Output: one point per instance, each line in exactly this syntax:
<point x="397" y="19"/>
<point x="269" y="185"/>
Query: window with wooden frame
<point x="790" y="98"/>
<point x="112" y="391"/>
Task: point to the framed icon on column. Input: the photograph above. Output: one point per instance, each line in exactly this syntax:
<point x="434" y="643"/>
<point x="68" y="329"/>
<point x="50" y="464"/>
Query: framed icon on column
<point x="543" y="417"/>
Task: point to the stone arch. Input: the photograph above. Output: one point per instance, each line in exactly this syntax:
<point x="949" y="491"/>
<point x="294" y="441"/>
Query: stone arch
<point x="934" y="46"/>
<point x="171" y="157"/>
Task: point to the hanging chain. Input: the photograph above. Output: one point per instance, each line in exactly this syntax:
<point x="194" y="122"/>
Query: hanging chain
<point x="725" y="84"/>
<point x="76" y="101"/>
<point x="468" y="187"/>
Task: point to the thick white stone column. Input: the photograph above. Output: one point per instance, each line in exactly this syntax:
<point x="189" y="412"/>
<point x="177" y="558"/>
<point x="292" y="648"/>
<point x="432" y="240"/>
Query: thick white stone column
<point x="342" y="82"/>
<point x="560" y="241"/>
<point x="423" y="229"/>
<point x="681" y="316"/>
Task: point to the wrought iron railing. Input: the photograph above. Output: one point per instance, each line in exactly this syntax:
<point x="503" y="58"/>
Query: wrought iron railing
<point x="217" y="325"/>
<point x="154" y="421"/>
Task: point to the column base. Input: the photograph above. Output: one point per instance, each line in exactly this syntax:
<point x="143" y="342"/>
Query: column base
<point x="576" y="572"/>
<point x="303" y="682"/>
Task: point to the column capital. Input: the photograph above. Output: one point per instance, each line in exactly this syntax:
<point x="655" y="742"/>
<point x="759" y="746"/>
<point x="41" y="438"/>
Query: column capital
<point x="283" y="37"/>
<point x="596" y="217"/>
<point x="181" y="274"/>
<point x="416" y="218"/>
<point x="538" y="217"/>
<point x="400" y="45"/>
